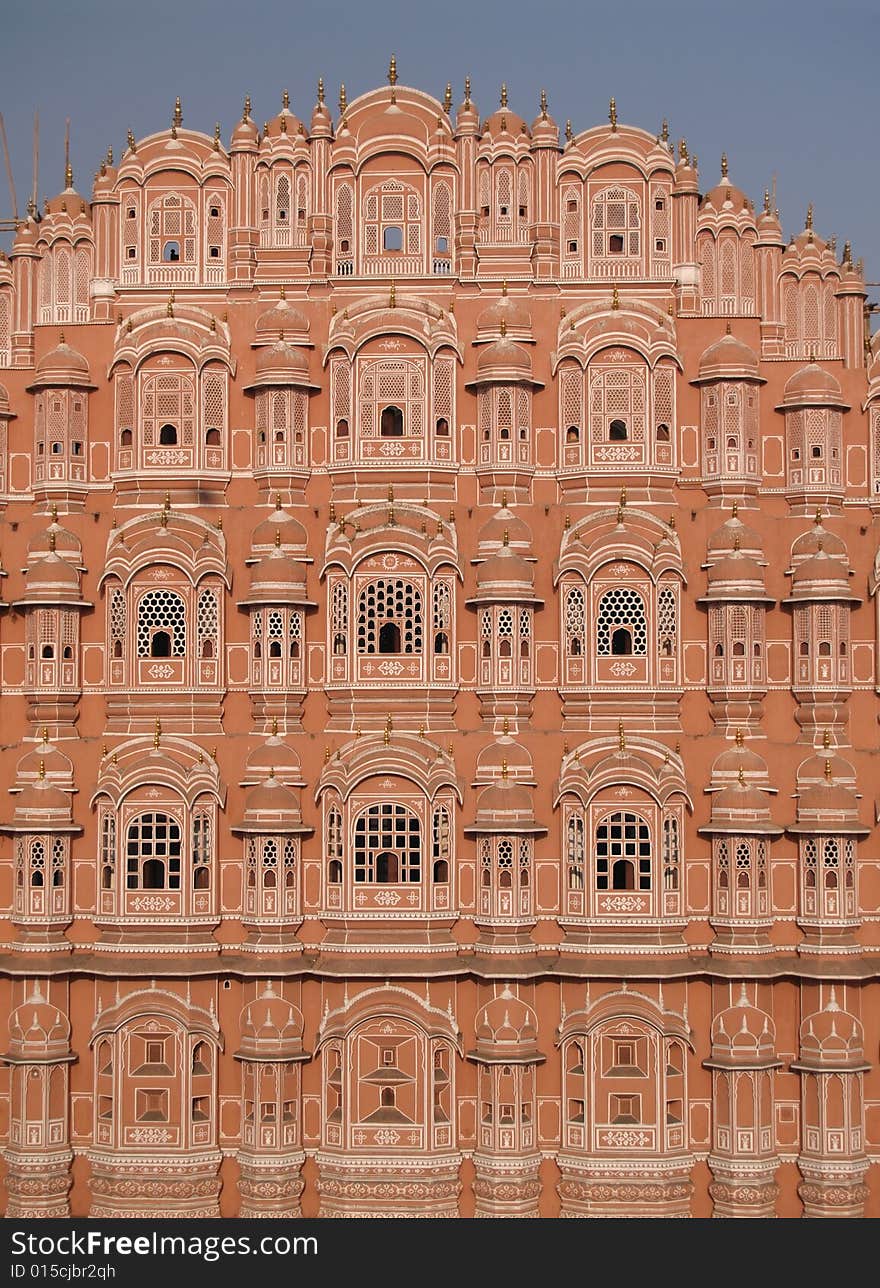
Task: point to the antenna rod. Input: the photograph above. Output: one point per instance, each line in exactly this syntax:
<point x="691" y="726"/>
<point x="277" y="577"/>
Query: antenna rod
<point x="36" y="157"/>
<point x="8" y="169"/>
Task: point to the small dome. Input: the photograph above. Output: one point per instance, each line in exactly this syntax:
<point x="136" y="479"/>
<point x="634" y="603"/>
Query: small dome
<point x="743" y="1034"/>
<point x="43" y="805"/>
<point x="283" y="318"/>
<point x="271" y="1028"/>
<point x="817" y="538"/>
<point x="545" y="130"/>
<point x="503" y="121"/>
<point x="735" y="535"/>
<point x="725" y="195"/>
<point x="728" y="359"/>
<point x="512" y="312"/>
<point x="503" y="360"/>
<point x="63" y="366"/>
<point x="52" y="578"/>
<point x="827" y="804"/>
<point x="821" y="577"/>
<point x="277" y="579"/>
<point x="491" y="535"/>
<point x="273" y="758"/>
<point x="505" y="807"/>
<point x="740" y="805"/>
<point x="739" y="757"/>
<point x="504" y="756"/>
<point x="244" y="134"/>
<point x="504" y="576"/>
<point x="507" y="1029"/>
<point x="44" y="760"/>
<point x="737" y="570"/>
<point x="281" y="527"/>
<point x="813" y="386"/>
<point x="38" y="1029"/>
<point x="281" y="364"/>
<point x="831" y="1039"/>
<point x="55" y="538"/>
<point x="271" y="807"/>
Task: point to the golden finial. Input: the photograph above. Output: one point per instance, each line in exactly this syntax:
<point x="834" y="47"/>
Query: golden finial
<point x="809" y="222"/>
<point x="766" y="201"/>
<point x="42" y="770"/>
<point x="820" y="544"/>
<point x="274" y="726"/>
<point x="213" y="325"/>
<point x="246" y="112"/>
<point x="742" y="777"/>
<point x="283" y="124"/>
<point x="132" y="145"/>
<point x="157" y="732"/>
<point x="723" y="165"/>
<point x="451" y="515"/>
<point x="505" y="540"/>
<point x="52" y="542"/>
<point x="219" y="524"/>
<point x="45" y="733"/>
<point x="447" y="98"/>
<point x="61" y="337"/>
<point x="612" y="114"/>
<point x="615" y="299"/>
<point x="568" y="134"/>
<point x="736" y="542"/>
<point x="503" y="99"/>
<point x="739" y="737"/>
<point x="828" y="771"/>
<point x="694" y="162"/>
<point x="504" y="771"/>
<point x="621" y="737"/>
<point x="391" y="516"/>
<point x="166" y="501"/>
<point x="343" y="100"/>
<point x="163" y="518"/>
<point x="169" y="307"/>
<point x="130" y="327"/>
<point x="332" y="512"/>
<point x="285" y="101"/>
<point x="505" y="728"/>
<point x="421" y="731"/>
<point x="450" y="750"/>
<point x="109" y="157"/>
<point x="847" y="254"/>
<point x="277" y="538"/>
<point x="818" y="519"/>
<point x="357" y="732"/>
<point x="623" y="496"/>
<point x="392" y="296"/>
<point x="326" y="755"/>
<point x="672" y="522"/>
<point x="664" y="131"/>
<point x="734" y="510"/>
<point x="392" y="71"/>
<point x="544" y="104"/>
<point x="54" y="512"/>
<point x="503" y="328"/>
<point x="504" y="500"/>
<point x="683" y="151"/>
<point x="216" y="136"/>
<point x="178" y="113"/>
<point x="567" y="522"/>
<point x="390" y="491"/>
<point x="321" y="90"/>
<point x="826" y="739"/>
<point x="386" y="738"/>
<point x="104" y="751"/>
<point x="727" y="328"/>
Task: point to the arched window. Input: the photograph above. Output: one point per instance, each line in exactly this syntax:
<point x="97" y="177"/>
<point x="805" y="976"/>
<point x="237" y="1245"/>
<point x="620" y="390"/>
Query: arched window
<point x="201" y="851"/>
<point x="390" y="603"/>
<point x="339" y="620"/>
<point x="108" y="850"/>
<point x="161" y="629"/>
<point x="171" y="252"/>
<point x="623" y="852"/>
<point x="207" y="622"/>
<point x="616" y="224"/>
<point x="617" y="431"/>
<point x="168" y="436"/>
<point x="152" y="853"/>
<point x="621" y="627"/>
<point x="334" y="847"/>
<point x="575" y="621"/>
<point x="441" y="836"/>
<point x="387" y="845"/>
<point x="391" y="422"/>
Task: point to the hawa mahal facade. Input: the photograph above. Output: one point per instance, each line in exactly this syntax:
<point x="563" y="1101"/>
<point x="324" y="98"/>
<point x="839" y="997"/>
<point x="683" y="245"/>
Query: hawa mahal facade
<point x="439" y="681"/>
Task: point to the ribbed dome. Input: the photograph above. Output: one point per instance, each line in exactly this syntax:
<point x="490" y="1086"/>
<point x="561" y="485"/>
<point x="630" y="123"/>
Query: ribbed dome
<point x="281" y="364"/>
<point x="274" y="757"/>
<point x="507" y="1029"/>
<point x="513" y="313"/>
<point x="38" y="1029"/>
<point x="271" y="807"/>
<point x="43" y="805"/>
<point x="813" y="386"/>
<point x="505" y="807"/>
<point x="831" y="1039"/>
<point x="818" y="538"/>
<point x="244" y="134"/>
<point x="271" y="1028"/>
<point x="492" y="534"/>
<point x="504" y="360"/>
<point x="821" y="577"/>
<point x="52" y="578"/>
<point x="739" y="757"/>
<point x="740" y="805"/>
<point x="44" y="760"/>
<point x="54" y="538"/>
<point x="743" y="1034"/>
<point x="290" y="533"/>
<point x="506" y="756"/>
<point x="505" y="576"/>
<point x="277" y="579"/>
<point x="728" y="359"/>
<point x="737" y="569"/>
<point x="282" y="318"/>
<point x="827" y="803"/>
<point x="63" y="366"/>
<point x="735" y="535"/>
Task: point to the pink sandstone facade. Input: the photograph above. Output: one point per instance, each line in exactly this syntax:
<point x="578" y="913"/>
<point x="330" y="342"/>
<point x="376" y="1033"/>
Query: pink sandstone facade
<point x="439" y="682"/>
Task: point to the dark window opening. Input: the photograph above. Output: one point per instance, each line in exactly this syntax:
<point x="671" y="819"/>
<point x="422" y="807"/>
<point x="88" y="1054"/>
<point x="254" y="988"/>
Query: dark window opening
<point x="343" y="245"/>
<point x="125" y="438"/>
<point x="212" y="438"/>
<point x="214" y="252"/>
<point x="215" y="212"/>
<point x="171" y="252"/>
<point x="47" y="651"/>
<point x="617" y="431"/>
<point x="441" y="642"/>
<point x="117" y="648"/>
<point x="572" y="247"/>
<point x="342" y="429"/>
<point x="615" y="244"/>
<point x="573" y="434"/>
<point x="623" y="875"/>
<point x="160" y="644"/>
<point x="662" y="433"/>
<point x="386" y="868"/>
<point x="153" y="877"/>
<point x="391" y="425"/>
<point x="441" y="870"/>
<point x="168" y="436"/>
<point x="621" y="642"/>
<point x="442" y="245"/>
<point x="443" y="427"/>
<point x="389" y="638"/>
<point x="207" y="647"/>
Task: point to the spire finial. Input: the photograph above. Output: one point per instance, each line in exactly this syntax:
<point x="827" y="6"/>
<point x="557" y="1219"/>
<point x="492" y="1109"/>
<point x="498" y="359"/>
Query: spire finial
<point x="568" y="134"/>
<point x="847" y="254"/>
<point x="42" y="770"/>
<point x="664" y="131"/>
<point x="503" y="327"/>
<point x="505" y="728"/>
<point x="734" y="509"/>
<point x="741" y="776"/>
<point x="392" y="78"/>
<point x="52" y="542"/>
<point x="343" y="100"/>
<point x="132" y="145"/>
<point x="727" y="328"/>
<point x="277" y="538"/>
<point x="216" y="136"/>
<point x="504" y="771"/>
<point x="169" y="307"/>
<point x="612" y="114"/>
<point x="157" y="732"/>
<point x="740" y="738"/>
<point x="504" y="500"/>
<point x="447" y="98"/>
<point x="503" y="97"/>
<point x="828" y="771"/>
<point x="467" y="91"/>
<point x="178" y="112"/>
<point x="54" y="512"/>
<point x="723" y="165"/>
<point x="544" y="104"/>
<point x="615" y="299"/>
<point x="45" y="733"/>
<point x="809" y="221"/>
<point x="68" y="169"/>
<point x="321" y="90"/>
<point x="246" y="111"/>
<point x="683" y="151"/>
<point x="274" y="726"/>
<point x="392" y="297"/>
<point x="826" y="739"/>
<point x="285" y="101"/>
<point x="505" y="540"/>
<point x="818" y="518"/>
<point x="766" y="201"/>
<point x="621" y="737"/>
<point x="504" y="288"/>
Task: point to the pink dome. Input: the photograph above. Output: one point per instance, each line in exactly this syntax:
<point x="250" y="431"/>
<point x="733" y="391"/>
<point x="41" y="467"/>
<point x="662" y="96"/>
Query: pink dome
<point x="277" y="579"/>
<point x="831" y="1039"/>
<point x="512" y="312"/>
<point x="52" y="579"/>
<point x="270" y="807"/>
<point x="817" y="538"/>
<point x="505" y="807"/>
<point x="491" y="535"/>
<point x="283" y="318"/>
<point x="505" y="576"/>
<point x="281" y="364"/>
<point x="503" y="361"/>
<point x="504" y="756"/>
<point x="271" y="1028"/>
<point x="743" y="1034"/>
<point x="273" y="758"/>
<point x="281" y="526"/>
<point x="37" y="1029"/>
<point x="813" y="386"/>
<point x="63" y="366"/>
<point x="507" y="1030"/>
<point x="735" y="535"/>
<point x="728" y="359"/>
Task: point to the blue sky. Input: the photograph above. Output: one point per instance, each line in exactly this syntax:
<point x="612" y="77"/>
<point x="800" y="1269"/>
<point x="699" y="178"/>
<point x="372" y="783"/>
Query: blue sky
<point x="785" y="88"/>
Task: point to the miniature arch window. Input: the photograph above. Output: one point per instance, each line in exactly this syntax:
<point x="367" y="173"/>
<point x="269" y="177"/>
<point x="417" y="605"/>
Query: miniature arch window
<point x="574" y="850"/>
<point x="207" y="624"/>
<point x="339" y="620"/>
<point x="153" y="850"/>
<point x="390" y="618"/>
<point x="161" y="624"/>
<point x="441" y="844"/>
<point x="623" y="852"/>
<point x="575" y="621"/>
<point x="666" y="621"/>
<point x="387" y="845"/>
<point x="616" y="223"/>
<point x="442" y="617"/>
<point x="172" y="230"/>
<point x="334" y="847"/>
<point x="392" y="219"/>
<point x="108" y="849"/>
<point x="621" y="625"/>
<point x="201" y="850"/>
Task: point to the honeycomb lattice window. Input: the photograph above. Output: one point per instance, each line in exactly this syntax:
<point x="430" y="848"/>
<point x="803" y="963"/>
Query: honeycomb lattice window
<point x="666" y="621"/>
<point x="207" y="623"/>
<point x="621" y="608"/>
<point x="161" y="611"/>
<point x="387" y="845"/>
<point x="390" y="604"/>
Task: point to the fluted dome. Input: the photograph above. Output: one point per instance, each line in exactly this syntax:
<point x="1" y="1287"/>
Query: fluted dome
<point x="55" y="539"/>
<point x="813" y="386"/>
<point x="271" y="807"/>
<point x="39" y="1030"/>
<point x="43" y="760"/>
<point x="492" y="534"/>
<point x="728" y="359"/>
<point x="279" y="528"/>
<point x="507" y="1031"/>
<point x="736" y="576"/>
<point x="728" y="764"/>
<point x="52" y="580"/>
<point x="503" y="361"/>
<point x="828" y="806"/>
<point x="273" y="758"/>
<point x="505" y="807"/>
<point x="503" y="757"/>
<point x="277" y="579"/>
<point x="735" y="535"/>
<point x="43" y="807"/>
<point x="281" y="364"/>
<point x="504" y="316"/>
<point x="821" y="577"/>
<point x="743" y="1035"/>
<point x="245" y="133"/>
<point x="271" y="1029"/>
<point x="505" y="576"/>
<point x="63" y="366"/>
<point x="831" y="1039"/>
<point x="817" y="538"/>
<point x="283" y="318"/>
<point x="742" y="808"/>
